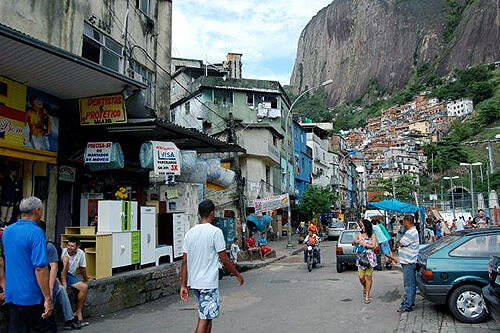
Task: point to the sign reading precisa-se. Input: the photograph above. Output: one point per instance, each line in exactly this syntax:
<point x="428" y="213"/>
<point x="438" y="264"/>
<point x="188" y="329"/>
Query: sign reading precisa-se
<point x="103" y="110"/>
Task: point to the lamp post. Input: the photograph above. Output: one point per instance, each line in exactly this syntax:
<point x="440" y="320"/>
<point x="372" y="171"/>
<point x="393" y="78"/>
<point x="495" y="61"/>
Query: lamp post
<point x="291" y="151"/>
<point x="452" y="196"/>
<point x="470" y="165"/>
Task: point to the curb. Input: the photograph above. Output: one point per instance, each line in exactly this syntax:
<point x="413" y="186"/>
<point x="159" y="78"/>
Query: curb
<point x="247" y="267"/>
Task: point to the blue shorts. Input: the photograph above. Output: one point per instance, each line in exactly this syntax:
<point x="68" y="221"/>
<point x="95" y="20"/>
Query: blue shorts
<point x="385" y="248"/>
<point x="208" y="303"/>
<point x="71" y="279"/>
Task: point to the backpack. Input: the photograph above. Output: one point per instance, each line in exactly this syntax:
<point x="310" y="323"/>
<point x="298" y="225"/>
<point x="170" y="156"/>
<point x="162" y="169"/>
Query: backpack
<point x="59" y="262"/>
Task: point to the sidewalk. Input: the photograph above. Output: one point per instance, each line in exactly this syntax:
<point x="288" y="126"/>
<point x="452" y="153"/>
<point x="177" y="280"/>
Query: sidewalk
<point x="428" y="317"/>
<point x="280" y="247"/>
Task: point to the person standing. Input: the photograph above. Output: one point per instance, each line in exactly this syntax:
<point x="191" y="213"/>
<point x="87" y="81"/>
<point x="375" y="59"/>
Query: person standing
<point x="461" y="223"/>
<point x="481" y="221"/>
<point x="27" y="288"/>
<point x="204" y="245"/>
<point x="366" y="241"/>
<point x="408" y="253"/>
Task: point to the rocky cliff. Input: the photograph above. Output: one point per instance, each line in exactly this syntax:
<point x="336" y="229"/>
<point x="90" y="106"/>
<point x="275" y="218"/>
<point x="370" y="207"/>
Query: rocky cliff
<point x="358" y="43"/>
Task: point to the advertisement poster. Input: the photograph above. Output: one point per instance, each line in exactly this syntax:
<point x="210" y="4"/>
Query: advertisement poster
<point x="103" y="110"/>
<point x="28" y="117"/>
<point x="272" y="203"/>
<point x="166" y="157"/>
<point x="98" y="152"/>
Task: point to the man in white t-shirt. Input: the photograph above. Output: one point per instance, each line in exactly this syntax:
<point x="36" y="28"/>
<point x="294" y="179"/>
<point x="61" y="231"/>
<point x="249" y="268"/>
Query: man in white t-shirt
<point x="461" y="223"/>
<point x="73" y="258"/>
<point x="204" y="245"/>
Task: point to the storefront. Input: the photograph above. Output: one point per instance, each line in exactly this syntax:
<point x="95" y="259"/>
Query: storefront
<point x="37" y="81"/>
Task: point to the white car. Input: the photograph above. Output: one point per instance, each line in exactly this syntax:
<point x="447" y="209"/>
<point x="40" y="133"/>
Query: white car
<point x="335" y="228"/>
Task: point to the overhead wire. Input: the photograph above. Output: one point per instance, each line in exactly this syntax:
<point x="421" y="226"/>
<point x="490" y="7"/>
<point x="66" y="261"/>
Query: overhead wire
<point x="117" y="19"/>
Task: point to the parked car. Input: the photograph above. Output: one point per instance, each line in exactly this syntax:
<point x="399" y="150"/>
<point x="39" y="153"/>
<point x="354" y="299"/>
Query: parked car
<point x="335" y="228"/>
<point x="454" y="269"/>
<point x="344" y="250"/>
<point x="491" y="293"/>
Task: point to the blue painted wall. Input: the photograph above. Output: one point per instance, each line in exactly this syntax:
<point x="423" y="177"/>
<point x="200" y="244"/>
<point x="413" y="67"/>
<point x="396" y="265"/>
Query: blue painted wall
<point x="303" y="160"/>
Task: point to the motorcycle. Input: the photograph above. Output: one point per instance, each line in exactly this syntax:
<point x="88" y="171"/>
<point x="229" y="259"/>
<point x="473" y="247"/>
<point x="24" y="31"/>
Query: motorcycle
<point x="311" y="257"/>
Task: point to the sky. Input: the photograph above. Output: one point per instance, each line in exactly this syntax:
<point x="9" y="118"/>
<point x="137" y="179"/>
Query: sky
<point x="265" y="31"/>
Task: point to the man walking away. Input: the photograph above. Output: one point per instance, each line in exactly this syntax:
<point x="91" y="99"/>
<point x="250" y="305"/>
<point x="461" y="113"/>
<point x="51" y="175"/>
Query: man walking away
<point x="26" y="272"/>
<point x="204" y="245"/>
<point x="408" y="253"/>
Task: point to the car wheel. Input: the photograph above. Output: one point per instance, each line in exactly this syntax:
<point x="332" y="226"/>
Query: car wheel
<point x="340" y="268"/>
<point x="466" y="303"/>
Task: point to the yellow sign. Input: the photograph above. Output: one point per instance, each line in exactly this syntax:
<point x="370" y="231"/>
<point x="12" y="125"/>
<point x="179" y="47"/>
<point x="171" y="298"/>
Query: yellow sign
<point x="103" y="110"/>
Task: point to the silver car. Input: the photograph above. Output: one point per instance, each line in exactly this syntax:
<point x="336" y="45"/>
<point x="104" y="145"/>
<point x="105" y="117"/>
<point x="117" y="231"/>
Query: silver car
<point x="335" y="228"/>
<point x="344" y="250"/>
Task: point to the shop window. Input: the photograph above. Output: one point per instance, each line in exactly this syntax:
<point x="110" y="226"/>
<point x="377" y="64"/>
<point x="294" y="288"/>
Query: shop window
<point x="144" y="6"/>
<point x="101" y="49"/>
<point x="147" y="76"/>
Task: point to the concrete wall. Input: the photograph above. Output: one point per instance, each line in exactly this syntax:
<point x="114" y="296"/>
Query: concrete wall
<point x="60" y="23"/>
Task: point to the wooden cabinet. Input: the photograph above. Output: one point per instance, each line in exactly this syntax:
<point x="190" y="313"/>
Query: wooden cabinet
<point x="148" y="235"/>
<point x="122" y="249"/>
<point x="97" y="248"/>
<point x="117" y="216"/>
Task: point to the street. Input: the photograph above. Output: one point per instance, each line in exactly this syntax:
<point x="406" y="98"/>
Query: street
<point x="282" y="297"/>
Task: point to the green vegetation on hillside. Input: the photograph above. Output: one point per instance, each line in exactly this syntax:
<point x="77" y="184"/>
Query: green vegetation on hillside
<point x="454" y="17"/>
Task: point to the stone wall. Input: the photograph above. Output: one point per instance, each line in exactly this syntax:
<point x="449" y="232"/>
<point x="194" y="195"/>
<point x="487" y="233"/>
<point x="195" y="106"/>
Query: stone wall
<point x="123" y="291"/>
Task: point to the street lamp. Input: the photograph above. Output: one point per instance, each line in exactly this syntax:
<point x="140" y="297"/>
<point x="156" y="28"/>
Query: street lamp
<point x="291" y="151"/>
<point x="470" y="165"/>
<point x="452" y="195"/>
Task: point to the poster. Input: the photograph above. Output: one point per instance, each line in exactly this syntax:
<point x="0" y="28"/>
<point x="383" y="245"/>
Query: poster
<point x="98" y="152"/>
<point x="166" y="158"/>
<point x="103" y="110"/>
<point x="272" y="203"/>
<point x="28" y="117"/>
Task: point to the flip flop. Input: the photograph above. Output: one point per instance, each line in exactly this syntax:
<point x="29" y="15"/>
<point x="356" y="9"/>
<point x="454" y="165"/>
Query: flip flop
<point x="367" y="301"/>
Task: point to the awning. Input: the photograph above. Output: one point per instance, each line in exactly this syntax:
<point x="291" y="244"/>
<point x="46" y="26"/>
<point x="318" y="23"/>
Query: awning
<point x="137" y="131"/>
<point x="54" y="70"/>
<point x="27" y="153"/>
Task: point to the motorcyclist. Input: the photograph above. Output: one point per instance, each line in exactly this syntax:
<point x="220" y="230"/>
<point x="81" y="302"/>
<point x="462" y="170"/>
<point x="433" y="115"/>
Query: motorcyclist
<point x="313" y="240"/>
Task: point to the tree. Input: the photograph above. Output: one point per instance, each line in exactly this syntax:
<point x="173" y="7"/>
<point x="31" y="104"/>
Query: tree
<point x="317" y="199"/>
<point x="404" y="186"/>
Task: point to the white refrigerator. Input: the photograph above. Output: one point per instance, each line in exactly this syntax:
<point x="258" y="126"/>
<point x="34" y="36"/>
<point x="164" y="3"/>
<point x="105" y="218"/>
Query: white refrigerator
<point x="148" y="237"/>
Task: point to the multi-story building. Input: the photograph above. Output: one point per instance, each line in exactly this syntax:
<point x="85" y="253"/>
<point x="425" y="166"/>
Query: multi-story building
<point x="303" y="160"/>
<point x="212" y="96"/>
<point x="460" y="107"/>
<point x="317" y="140"/>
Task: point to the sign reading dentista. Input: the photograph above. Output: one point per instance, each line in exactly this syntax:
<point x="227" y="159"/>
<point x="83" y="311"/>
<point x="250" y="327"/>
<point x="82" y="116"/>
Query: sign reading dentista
<point x="98" y="152"/>
<point x="103" y="110"/>
<point x="166" y="158"/>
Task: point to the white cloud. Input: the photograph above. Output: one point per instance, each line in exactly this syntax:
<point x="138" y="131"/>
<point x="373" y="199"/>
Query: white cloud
<point x="266" y="32"/>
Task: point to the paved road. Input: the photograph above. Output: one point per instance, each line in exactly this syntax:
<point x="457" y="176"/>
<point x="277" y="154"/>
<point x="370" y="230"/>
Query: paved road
<point x="282" y="297"/>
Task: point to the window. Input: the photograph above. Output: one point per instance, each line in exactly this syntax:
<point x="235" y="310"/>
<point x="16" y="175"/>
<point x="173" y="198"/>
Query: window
<point x="223" y="97"/>
<point x="144" y="6"/>
<point x="268" y="178"/>
<point x="250" y="99"/>
<point x="147" y="77"/>
<point x="187" y="107"/>
<point x="275" y="140"/>
<point x="101" y="49"/>
<point x="480" y="246"/>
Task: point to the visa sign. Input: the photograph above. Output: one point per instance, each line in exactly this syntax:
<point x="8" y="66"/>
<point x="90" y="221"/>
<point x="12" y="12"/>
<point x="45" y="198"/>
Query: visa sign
<point x="166" y="158"/>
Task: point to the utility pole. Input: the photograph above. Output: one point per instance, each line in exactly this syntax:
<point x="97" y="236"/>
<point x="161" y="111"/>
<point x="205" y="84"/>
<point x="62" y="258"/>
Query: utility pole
<point x="240" y="183"/>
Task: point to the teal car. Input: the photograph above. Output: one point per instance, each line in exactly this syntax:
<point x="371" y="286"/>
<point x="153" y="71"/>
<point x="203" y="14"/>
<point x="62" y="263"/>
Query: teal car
<point x="454" y="269"/>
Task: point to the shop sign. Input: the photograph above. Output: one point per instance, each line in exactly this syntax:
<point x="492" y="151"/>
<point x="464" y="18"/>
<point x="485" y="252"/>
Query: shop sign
<point x="28" y="117"/>
<point x="103" y="110"/>
<point x="67" y="173"/>
<point x="166" y="158"/>
<point x="272" y="203"/>
<point x="98" y="152"/>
